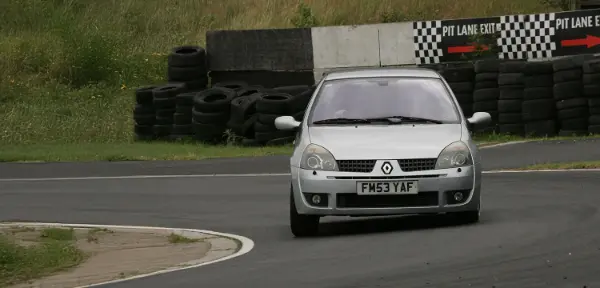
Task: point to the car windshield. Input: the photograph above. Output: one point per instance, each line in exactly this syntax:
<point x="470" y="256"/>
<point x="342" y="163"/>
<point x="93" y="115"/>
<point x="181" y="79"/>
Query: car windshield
<point x="355" y="101"/>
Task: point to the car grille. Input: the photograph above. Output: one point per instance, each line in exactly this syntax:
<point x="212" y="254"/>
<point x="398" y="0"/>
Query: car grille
<point x="423" y="199"/>
<point x="361" y="166"/>
<point x="411" y="165"/>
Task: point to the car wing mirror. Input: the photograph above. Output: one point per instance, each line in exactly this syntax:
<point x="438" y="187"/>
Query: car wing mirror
<point x="286" y="123"/>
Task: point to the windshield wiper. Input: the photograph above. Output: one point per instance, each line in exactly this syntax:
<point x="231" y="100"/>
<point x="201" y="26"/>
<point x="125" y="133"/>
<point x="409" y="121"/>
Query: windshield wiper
<point x="401" y="119"/>
<point x="341" y="121"/>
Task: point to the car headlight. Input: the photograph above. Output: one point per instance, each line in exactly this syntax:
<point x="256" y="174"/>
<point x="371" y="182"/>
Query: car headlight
<point x="316" y="157"/>
<point x="454" y="155"/>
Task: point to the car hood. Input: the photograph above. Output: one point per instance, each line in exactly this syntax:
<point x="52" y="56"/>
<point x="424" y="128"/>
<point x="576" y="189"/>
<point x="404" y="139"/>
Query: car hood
<point x="385" y="142"/>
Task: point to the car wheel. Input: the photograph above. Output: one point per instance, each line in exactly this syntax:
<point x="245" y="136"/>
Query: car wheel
<point x="302" y="225"/>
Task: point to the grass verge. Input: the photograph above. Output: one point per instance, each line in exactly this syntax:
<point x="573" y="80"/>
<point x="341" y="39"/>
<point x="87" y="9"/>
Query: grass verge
<point x="178" y="239"/>
<point x="176" y="151"/>
<point x="562" y="166"/>
<point x="54" y="252"/>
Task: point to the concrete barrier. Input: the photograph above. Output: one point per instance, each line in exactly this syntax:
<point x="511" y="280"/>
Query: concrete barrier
<point x="300" y="56"/>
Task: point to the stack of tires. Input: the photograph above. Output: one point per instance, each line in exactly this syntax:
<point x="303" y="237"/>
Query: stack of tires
<point x="486" y="94"/>
<point x="461" y="78"/>
<point x="243" y="115"/>
<point x="300" y="102"/>
<point x="187" y="64"/>
<point x="511" y="81"/>
<point x="571" y="104"/>
<point x="591" y="89"/>
<point x="164" y="100"/>
<point x="144" y="114"/>
<point x="269" y="106"/>
<point x="211" y="112"/>
<point x="182" y="119"/>
<point x="539" y="112"/>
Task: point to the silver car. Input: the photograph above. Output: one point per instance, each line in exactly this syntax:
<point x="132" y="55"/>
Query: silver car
<point x="385" y="141"/>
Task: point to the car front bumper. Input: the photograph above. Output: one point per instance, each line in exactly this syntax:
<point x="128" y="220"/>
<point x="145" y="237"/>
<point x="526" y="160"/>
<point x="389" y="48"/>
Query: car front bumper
<point x="339" y="196"/>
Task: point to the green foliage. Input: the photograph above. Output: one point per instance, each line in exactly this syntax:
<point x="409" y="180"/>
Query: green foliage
<point x="563" y="5"/>
<point x="304" y="17"/>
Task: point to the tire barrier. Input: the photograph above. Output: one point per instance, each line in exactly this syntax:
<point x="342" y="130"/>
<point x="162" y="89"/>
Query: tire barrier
<point x="186" y="108"/>
<point x="526" y="98"/>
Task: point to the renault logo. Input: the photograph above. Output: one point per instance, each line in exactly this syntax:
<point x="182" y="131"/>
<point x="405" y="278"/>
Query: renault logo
<point x="387" y="167"/>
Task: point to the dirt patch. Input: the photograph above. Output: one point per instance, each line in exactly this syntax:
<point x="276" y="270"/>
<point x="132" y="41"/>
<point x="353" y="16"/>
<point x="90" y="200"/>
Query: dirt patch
<point x="112" y="254"/>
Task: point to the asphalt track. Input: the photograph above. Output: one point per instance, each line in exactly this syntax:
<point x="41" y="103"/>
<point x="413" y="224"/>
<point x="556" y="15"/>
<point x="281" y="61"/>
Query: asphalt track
<point x="537" y="229"/>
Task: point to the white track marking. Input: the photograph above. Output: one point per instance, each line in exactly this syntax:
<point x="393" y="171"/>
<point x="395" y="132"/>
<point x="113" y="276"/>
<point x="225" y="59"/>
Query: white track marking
<point x="247" y="244"/>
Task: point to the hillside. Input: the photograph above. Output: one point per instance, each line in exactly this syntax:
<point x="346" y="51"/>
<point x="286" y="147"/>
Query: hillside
<point x="68" y="67"/>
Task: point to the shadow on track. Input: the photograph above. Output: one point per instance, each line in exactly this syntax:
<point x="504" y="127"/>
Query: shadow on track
<point x="365" y="225"/>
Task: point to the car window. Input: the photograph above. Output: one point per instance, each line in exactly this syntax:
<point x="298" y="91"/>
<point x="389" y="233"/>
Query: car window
<point x="382" y="97"/>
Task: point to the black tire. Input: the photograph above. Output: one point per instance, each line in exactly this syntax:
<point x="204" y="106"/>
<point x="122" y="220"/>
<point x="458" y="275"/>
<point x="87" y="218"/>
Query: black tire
<point x="572" y="113"/>
<point x="145" y="130"/>
<point x="165" y="113"/>
<point x="235" y="85"/>
<point x="168" y="91"/>
<point x="166" y="103"/>
<point x="485" y="106"/>
<point x="184" y="109"/>
<point x="574" y="124"/>
<point x="274" y="103"/>
<point x="458" y="74"/>
<point x="572" y="103"/>
<point x="591" y="90"/>
<point x="483" y="95"/>
<point x="300" y="101"/>
<point x="185" y="99"/>
<point x="208" y="132"/>
<point x="568" y="90"/>
<point x="299" y="116"/>
<point x="292" y="90"/>
<point x="538" y="68"/>
<point x="509" y="106"/>
<point x="264" y="137"/>
<point x="591" y="78"/>
<point x="182" y="118"/>
<point x="594" y="120"/>
<point x="505" y="79"/>
<point x="539" y="81"/>
<point x="538" y="93"/>
<point x="544" y="128"/>
<point x="143" y="95"/>
<point x="143" y="109"/>
<point x="197" y="85"/>
<point x="486" y="84"/>
<point x="572" y="133"/>
<point x="164" y="120"/>
<point x="484" y="77"/>
<point x="218" y="118"/>
<point x="461" y="87"/>
<point x="594" y="102"/>
<point x="243" y="107"/>
<point x="268" y="119"/>
<point x="186" y="129"/>
<point x="216" y="99"/>
<point x="488" y="65"/>
<point x="186" y="56"/>
<point x="512" y="67"/>
<point x="511" y="93"/>
<point x="249" y="90"/>
<point x="568" y="75"/>
<point x="144" y="119"/>
<point x="570" y="62"/>
<point x="591" y="66"/>
<point x="264" y="127"/>
<point x="302" y="225"/>
<point x="510" y="118"/>
<point x="464" y="98"/>
<point x="184" y="74"/>
<point x="537" y="110"/>
<point x="162" y="130"/>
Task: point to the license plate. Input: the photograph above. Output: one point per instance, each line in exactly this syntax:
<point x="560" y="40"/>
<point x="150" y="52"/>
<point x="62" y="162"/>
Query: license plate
<point x="386" y="188"/>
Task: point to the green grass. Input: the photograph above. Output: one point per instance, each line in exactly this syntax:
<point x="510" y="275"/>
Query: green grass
<point x="68" y="68"/>
<point x="563" y="166"/>
<point x="52" y="254"/>
<point x="177" y="239"/>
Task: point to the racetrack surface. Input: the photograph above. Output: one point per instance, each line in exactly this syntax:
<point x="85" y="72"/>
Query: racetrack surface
<point x="537" y="229"/>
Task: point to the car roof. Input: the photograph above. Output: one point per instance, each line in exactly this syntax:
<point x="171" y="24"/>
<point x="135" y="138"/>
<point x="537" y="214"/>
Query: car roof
<point x="381" y="72"/>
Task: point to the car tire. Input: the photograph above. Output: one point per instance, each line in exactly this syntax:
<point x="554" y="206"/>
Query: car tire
<point x="302" y="225"/>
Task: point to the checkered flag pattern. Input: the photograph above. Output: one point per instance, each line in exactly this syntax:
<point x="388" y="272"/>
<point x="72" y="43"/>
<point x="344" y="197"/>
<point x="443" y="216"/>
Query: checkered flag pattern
<point x="526" y="36"/>
<point x="428" y="41"/>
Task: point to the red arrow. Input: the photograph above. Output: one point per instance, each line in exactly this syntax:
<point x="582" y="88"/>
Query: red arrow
<point x="589" y="41"/>
<point x="465" y="49"/>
